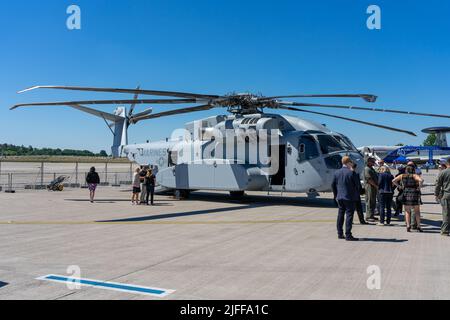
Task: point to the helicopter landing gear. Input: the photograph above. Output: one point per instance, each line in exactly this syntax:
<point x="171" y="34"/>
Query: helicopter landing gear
<point x="182" y="194"/>
<point x="312" y="194"/>
<point x="237" y="194"/>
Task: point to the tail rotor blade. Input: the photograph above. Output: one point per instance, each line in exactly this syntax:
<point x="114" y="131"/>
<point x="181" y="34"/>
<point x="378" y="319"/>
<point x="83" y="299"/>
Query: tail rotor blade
<point x="136" y="96"/>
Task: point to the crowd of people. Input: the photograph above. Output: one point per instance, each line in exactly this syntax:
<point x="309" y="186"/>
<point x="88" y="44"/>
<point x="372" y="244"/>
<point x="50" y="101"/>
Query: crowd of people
<point x="380" y="187"/>
<point x="144" y="181"/>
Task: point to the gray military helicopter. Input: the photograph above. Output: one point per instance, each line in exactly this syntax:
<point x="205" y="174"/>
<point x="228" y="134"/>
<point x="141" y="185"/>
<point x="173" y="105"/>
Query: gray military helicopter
<point x="245" y="150"/>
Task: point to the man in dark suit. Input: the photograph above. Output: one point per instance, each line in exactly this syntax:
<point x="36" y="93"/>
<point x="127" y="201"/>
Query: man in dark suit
<point x="346" y="192"/>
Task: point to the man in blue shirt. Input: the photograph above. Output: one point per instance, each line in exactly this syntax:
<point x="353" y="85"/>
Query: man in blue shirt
<point x="346" y="190"/>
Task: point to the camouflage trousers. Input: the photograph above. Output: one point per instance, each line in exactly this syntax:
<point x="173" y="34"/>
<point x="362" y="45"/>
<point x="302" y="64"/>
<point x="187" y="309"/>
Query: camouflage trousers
<point x="445" y="228"/>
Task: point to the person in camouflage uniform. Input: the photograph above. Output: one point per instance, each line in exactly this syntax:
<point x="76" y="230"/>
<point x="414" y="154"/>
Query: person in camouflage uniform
<point x="371" y="186"/>
<point x="442" y="193"/>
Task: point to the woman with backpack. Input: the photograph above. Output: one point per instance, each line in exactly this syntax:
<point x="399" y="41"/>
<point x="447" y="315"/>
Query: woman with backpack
<point x="92" y="179"/>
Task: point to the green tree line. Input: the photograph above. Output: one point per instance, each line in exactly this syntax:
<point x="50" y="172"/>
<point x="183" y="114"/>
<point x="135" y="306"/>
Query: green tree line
<point x="12" y="150"/>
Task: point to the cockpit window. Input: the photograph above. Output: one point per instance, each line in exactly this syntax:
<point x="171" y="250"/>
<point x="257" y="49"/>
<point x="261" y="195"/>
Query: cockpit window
<point x="345" y="142"/>
<point x="349" y="142"/>
<point x="307" y="148"/>
<point x="328" y="144"/>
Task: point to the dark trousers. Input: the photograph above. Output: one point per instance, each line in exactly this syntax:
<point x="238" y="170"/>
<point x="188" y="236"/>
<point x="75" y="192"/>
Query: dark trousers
<point x="398" y="204"/>
<point x="346" y="211"/>
<point x="150" y="193"/>
<point x="386" y="207"/>
<point x="378" y="205"/>
<point x="359" y="211"/>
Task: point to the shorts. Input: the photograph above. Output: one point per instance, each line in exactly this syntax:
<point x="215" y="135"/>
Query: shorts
<point x="92" y="186"/>
<point x="136" y="189"/>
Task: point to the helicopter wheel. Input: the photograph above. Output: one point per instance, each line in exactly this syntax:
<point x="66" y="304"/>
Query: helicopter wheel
<point x="182" y="194"/>
<point x="237" y="194"/>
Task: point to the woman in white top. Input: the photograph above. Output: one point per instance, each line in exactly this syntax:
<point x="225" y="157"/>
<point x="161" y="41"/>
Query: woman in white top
<point x="136" y="187"/>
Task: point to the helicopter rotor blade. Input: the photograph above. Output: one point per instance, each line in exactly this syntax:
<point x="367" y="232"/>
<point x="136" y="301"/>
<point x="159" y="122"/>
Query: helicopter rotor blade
<point x="300" y="104"/>
<point x="106" y="102"/>
<point x="349" y="119"/>
<point x="136" y="95"/>
<point x="129" y="91"/>
<point x="205" y="107"/>
<point x="367" y="97"/>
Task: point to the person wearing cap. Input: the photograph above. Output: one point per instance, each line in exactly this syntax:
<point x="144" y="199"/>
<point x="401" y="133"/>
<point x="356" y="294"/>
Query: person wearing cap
<point x="346" y="190"/>
<point x="371" y="185"/>
<point x="442" y="165"/>
<point x="442" y="193"/>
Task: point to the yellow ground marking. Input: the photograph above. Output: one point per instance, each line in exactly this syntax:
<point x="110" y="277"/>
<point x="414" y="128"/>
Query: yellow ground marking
<point x="161" y="222"/>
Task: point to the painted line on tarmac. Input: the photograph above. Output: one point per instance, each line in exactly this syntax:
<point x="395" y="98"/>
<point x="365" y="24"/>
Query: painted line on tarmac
<point x="129" y="288"/>
<point x="162" y="222"/>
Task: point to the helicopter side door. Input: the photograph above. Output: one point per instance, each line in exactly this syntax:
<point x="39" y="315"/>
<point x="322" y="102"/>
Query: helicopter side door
<point x="304" y="164"/>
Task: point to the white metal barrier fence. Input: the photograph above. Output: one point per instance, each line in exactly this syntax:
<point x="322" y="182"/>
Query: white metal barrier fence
<point x="39" y="175"/>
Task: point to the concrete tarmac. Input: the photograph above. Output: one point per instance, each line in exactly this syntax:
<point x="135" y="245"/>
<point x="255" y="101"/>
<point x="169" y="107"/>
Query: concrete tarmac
<point x="211" y="247"/>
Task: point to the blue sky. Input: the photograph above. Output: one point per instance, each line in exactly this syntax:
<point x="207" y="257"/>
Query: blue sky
<point x="269" y="47"/>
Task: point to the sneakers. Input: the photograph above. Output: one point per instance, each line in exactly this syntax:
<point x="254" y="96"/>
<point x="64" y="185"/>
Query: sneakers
<point x="380" y="224"/>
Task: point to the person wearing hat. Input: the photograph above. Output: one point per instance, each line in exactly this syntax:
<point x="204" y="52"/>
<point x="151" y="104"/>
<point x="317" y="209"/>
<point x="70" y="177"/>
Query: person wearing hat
<point x="442" y="165"/>
<point x="442" y="193"/>
<point x="371" y="185"/>
<point x="346" y="190"/>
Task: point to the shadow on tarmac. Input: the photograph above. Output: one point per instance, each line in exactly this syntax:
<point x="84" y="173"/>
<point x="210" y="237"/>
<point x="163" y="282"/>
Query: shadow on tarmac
<point x="264" y="200"/>
<point x="258" y="200"/>
<point x="383" y="240"/>
<point x="247" y="202"/>
<point x="160" y="204"/>
<point x="176" y="215"/>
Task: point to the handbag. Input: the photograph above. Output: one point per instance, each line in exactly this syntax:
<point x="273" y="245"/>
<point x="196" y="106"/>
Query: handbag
<point x="401" y="195"/>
